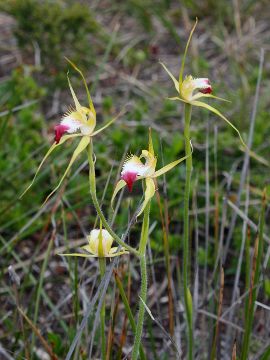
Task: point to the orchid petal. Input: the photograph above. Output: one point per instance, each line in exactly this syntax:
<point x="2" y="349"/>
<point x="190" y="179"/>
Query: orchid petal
<point x="149" y="193"/>
<point x="88" y="248"/>
<point x="79" y="254"/>
<point x="121" y="183"/>
<point x="185" y="54"/>
<point x="81" y="146"/>
<point x="150" y="146"/>
<point x="113" y="250"/>
<point x="75" y="99"/>
<point x="51" y="149"/>
<point x="176" y="98"/>
<point x="109" y="123"/>
<point x="170" y="166"/>
<point x="91" y="105"/>
<point x="176" y="83"/>
<point x="215" y="111"/>
<point x="197" y="96"/>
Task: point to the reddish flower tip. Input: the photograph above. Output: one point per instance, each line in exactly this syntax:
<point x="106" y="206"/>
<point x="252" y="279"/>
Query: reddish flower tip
<point x="59" y="130"/>
<point x="207" y="90"/>
<point x="129" y="178"/>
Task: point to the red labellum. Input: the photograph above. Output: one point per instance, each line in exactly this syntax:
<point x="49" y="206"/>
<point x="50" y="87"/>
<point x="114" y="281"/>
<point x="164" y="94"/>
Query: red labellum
<point x="207" y="90"/>
<point x="129" y="178"/>
<point x="59" y="130"/>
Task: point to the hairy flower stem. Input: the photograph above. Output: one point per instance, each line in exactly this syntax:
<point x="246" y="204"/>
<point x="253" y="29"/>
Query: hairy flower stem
<point x="187" y="295"/>
<point x="92" y="181"/>
<point x="143" y="294"/>
<point x="102" y="269"/>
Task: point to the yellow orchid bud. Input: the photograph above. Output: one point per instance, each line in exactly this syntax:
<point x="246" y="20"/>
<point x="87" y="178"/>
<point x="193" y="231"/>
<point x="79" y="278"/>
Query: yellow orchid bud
<point x="99" y="245"/>
<point x="94" y="242"/>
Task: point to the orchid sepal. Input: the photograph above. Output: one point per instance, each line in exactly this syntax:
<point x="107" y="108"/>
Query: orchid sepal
<point x="181" y="72"/>
<point x="176" y="83"/>
<point x="148" y="194"/>
<point x="90" y="101"/>
<point x="215" y="111"/>
<point x="51" y="149"/>
<point x="120" y="184"/>
<point x="122" y="112"/>
<point x="170" y="166"/>
<point x="84" y="142"/>
<point x="198" y="96"/>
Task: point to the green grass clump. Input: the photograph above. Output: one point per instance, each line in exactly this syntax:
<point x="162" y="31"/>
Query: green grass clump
<point x="55" y="29"/>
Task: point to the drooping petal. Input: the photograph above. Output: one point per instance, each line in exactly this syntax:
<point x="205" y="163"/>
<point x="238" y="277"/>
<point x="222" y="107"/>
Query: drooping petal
<point x="149" y="193"/>
<point x="215" y="111"/>
<point x="81" y="146"/>
<point x="170" y="166"/>
<point x="119" y="186"/>
<point x="176" y="83"/>
<point x="51" y="149"/>
<point x="185" y="54"/>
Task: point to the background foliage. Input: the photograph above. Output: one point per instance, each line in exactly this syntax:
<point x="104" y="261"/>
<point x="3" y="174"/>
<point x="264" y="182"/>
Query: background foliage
<point x="118" y="45"/>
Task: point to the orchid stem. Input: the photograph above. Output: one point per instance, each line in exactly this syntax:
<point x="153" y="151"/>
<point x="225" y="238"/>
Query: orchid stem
<point x="102" y="269"/>
<point x="92" y="181"/>
<point x="143" y="294"/>
<point x="187" y="295"/>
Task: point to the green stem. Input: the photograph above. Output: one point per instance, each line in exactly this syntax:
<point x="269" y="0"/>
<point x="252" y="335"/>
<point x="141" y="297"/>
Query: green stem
<point x="128" y="312"/>
<point x="102" y="269"/>
<point x="92" y="181"/>
<point x="254" y="283"/>
<point x="143" y="295"/>
<point x="187" y="295"/>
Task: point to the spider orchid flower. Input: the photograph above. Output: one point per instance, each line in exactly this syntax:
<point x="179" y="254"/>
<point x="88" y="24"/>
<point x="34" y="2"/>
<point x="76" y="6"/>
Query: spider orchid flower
<point x="191" y="89"/>
<point x="77" y="122"/>
<point x="99" y="245"/>
<point x="134" y="169"/>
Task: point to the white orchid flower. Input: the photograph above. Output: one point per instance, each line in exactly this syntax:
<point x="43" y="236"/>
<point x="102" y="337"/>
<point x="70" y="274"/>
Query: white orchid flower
<point x="134" y="169"/>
